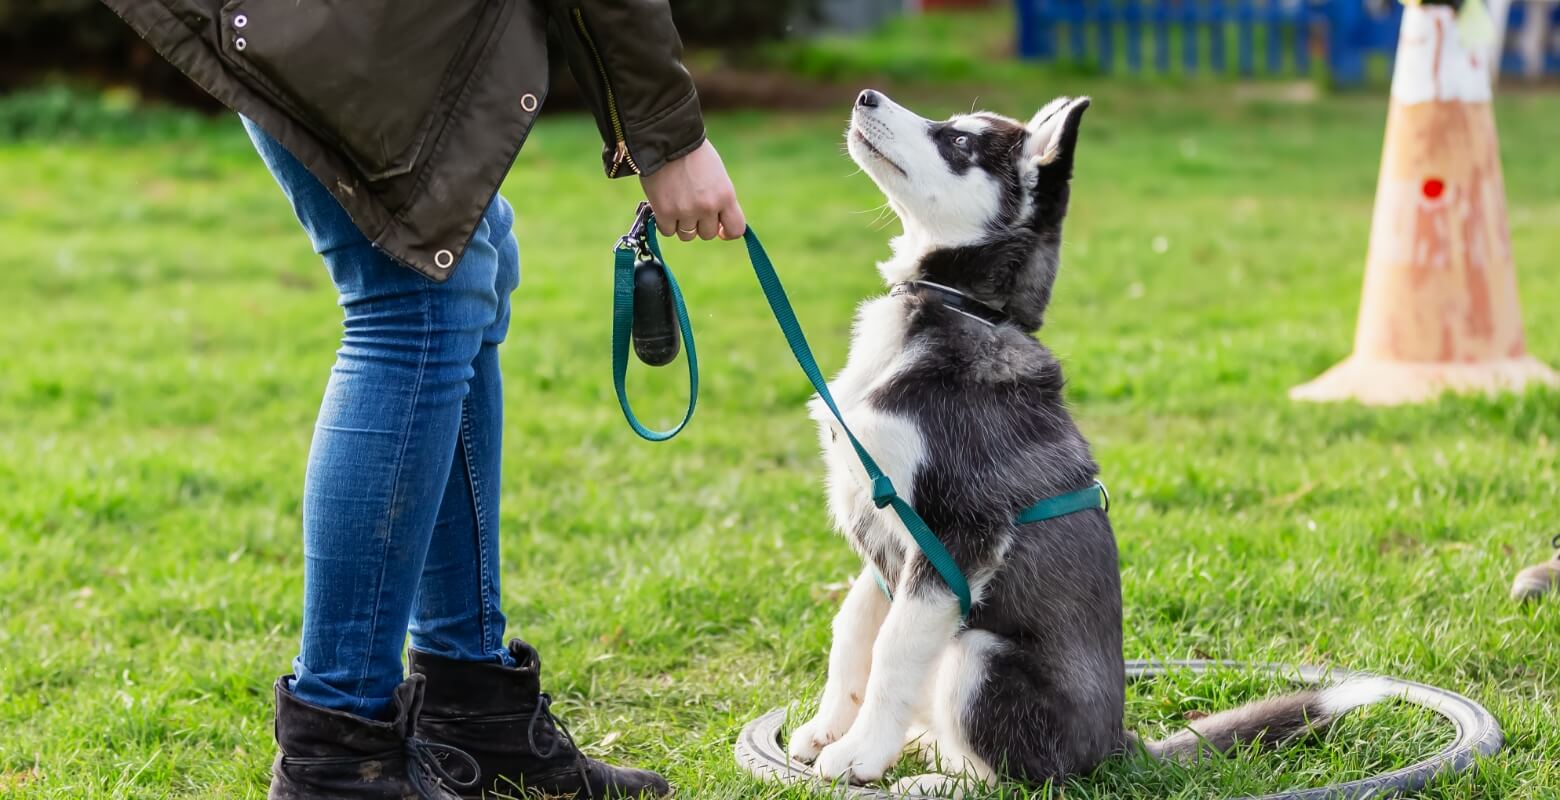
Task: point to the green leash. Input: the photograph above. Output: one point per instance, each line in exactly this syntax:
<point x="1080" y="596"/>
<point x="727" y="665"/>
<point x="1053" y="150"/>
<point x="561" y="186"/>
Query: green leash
<point x="641" y="243"/>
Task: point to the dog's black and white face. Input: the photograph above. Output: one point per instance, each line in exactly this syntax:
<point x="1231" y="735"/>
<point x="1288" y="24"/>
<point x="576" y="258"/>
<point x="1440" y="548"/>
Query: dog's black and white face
<point x="981" y="196"/>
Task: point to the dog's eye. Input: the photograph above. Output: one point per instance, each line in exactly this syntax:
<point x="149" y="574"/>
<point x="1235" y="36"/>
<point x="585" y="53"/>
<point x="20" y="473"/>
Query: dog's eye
<point x="962" y="141"/>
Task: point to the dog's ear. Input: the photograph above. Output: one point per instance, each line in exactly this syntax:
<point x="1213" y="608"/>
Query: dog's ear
<point x="1053" y="135"/>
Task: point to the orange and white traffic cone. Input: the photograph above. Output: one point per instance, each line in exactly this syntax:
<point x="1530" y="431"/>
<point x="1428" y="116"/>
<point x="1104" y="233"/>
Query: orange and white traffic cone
<point x="1439" y="309"/>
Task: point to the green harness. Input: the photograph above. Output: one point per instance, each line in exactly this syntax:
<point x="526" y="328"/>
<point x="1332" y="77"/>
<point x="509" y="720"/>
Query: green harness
<point x="641" y="245"/>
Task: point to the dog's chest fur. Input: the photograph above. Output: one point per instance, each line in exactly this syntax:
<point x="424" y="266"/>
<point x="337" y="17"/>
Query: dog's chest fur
<point x="879" y="350"/>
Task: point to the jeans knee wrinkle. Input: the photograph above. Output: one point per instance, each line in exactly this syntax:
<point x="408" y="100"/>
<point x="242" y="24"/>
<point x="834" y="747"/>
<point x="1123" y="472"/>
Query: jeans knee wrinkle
<point x="506" y="277"/>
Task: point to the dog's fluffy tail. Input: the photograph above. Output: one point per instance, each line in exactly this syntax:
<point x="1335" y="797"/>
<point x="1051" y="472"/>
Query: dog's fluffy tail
<point x="1272" y="721"/>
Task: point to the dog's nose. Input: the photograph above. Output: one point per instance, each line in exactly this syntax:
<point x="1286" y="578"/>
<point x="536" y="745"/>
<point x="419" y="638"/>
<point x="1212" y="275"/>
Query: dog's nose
<point x="868" y="99"/>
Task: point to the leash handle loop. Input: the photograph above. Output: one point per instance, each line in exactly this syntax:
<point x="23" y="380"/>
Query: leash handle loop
<point x="625" y="255"/>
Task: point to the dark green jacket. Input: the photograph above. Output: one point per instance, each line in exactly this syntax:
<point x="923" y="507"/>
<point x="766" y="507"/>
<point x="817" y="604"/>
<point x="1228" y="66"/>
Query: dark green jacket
<point x="412" y="111"/>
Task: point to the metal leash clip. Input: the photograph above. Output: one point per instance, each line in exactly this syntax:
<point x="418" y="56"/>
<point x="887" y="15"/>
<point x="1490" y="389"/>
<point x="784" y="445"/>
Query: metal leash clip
<point x="638" y="237"/>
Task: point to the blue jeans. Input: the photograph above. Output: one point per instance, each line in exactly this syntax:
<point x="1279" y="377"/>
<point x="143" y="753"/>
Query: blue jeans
<point x="400" y="503"/>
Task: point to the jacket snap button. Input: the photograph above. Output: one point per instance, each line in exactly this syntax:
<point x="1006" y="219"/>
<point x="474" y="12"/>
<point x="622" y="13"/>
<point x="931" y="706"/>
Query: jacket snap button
<point x="444" y="259"/>
<point x="240" y="21"/>
<point x="241" y="43"/>
<point x="528" y="102"/>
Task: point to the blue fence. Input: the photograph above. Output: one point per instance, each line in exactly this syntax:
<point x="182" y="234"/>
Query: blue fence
<point x="1248" y="37"/>
<point x="1511" y="61"/>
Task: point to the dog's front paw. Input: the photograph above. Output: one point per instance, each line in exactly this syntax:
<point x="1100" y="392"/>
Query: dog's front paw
<point x="810" y="739"/>
<point x="857" y="759"/>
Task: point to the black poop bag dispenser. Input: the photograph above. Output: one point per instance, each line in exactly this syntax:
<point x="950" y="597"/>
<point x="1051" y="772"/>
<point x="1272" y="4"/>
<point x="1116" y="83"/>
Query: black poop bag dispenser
<point x="655" y="333"/>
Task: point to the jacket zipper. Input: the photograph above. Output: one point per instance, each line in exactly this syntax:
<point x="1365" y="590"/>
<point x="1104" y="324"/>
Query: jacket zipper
<point x="622" y="156"/>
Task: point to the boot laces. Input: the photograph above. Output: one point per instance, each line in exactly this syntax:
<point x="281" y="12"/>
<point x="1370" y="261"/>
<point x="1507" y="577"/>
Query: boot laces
<point x="563" y="739"/>
<point x="426" y="769"/>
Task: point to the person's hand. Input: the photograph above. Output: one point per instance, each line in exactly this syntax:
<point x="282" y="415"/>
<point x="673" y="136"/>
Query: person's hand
<point x="693" y="196"/>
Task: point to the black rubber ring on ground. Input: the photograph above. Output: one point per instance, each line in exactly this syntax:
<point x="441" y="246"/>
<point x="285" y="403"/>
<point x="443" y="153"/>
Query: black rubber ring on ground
<point x="760" y="752"/>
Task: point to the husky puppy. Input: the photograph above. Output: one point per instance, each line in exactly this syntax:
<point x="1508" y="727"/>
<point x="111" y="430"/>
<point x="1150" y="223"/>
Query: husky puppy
<point x="962" y="407"/>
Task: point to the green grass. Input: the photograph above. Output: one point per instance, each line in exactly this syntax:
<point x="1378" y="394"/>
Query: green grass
<point x="168" y="333"/>
<point x="910" y="48"/>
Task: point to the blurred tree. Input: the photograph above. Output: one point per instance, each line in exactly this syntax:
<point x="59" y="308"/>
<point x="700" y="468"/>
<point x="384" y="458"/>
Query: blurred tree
<point x="84" y="40"/>
<point x="723" y="24"/>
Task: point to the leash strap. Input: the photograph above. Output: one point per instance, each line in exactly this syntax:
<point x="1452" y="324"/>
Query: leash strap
<point x="1090" y="497"/>
<point x="883" y="494"/>
<point x="624" y="259"/>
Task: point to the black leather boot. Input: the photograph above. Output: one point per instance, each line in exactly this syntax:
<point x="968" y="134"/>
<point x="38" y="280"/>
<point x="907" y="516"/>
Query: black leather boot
<point x="501" y="717"/>
<point x="333" y="754"/>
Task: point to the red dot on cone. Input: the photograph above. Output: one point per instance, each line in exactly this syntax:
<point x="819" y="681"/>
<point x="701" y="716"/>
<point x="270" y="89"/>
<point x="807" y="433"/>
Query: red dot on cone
<point x="1433" y="187"/>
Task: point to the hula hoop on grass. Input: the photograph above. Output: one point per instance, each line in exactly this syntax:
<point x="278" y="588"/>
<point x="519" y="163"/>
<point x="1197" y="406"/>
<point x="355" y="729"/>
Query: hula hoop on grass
<point x="1478" y="735"/>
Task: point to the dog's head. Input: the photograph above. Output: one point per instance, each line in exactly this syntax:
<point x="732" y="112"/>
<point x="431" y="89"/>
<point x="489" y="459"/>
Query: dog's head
<point x="981" y="196"/>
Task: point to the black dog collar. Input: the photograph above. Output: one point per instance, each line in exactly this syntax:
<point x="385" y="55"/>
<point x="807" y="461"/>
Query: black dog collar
<point x="952" y="298"/>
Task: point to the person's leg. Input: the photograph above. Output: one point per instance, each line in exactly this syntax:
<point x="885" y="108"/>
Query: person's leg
<point x="484" y="698"/>
<point x="457" y="614"/>
<point x="383" y="445"/>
